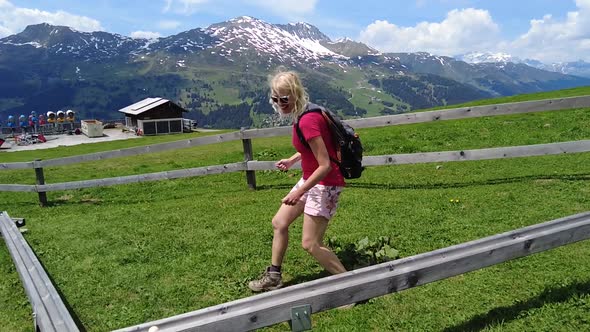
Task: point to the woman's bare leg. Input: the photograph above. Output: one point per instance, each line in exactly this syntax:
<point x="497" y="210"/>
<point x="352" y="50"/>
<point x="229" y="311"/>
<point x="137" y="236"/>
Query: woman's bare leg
<point x="280" y="223"/>
<point x="312" y="241"/>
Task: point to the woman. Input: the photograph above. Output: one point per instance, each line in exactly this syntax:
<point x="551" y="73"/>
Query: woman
<point x="317" y="192"/>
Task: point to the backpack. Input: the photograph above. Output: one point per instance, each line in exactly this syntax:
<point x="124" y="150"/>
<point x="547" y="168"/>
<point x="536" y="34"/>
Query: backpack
<point x="349" y="147"/>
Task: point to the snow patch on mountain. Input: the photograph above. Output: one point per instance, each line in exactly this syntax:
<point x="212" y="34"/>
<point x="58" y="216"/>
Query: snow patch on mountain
<point x="579" y="68"/>
<point x="286" y="43"/>
<point x="486" y="57"/>
<point x="34" y="44"/>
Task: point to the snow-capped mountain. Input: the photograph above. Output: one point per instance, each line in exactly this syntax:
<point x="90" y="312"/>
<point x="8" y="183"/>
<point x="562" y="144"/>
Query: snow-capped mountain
<point x="302" y="30"/>
<point x="496" y="77"/>
<point x="578" y="68"/>
<point x="67" y="42"/>
<point x="289" y="44"/>
<point x="187" y="42"/>
<point x="500" y="57"/>
<point x="484" y="57"/>
<point x="349" y="47"/>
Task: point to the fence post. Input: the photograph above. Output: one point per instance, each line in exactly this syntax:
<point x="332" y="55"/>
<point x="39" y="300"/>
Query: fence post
<point x="248" y="155"/>
<point x="40" y="181"/>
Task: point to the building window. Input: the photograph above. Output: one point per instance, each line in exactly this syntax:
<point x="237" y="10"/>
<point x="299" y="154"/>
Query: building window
<point x="176" y="126"/>
<point x="149" y="128"/>
<point x="163" y="127"/>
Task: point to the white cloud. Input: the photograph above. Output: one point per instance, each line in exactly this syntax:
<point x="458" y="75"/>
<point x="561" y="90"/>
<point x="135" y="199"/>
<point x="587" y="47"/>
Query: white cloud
<point x="283" y="8"/>
<point x="461" y="31"/>
<point x="169" y="24"/>
<point x="145" y="34"/>
<point x="183" y="6"/>
<point x="286" y="8"/>
<point x="420" y="3"/>
<point x="14" y="19"/>
<point x="550" y="39"/>
<point x="4" y="32"/>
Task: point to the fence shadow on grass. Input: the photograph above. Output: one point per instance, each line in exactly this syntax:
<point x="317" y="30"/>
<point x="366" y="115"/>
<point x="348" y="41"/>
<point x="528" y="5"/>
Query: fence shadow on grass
<point x="505" y="314"/>
<point x="562" y="177"/>
<point x="351" y="260"/>
<point x="392" y="186"/>
<point x="306" y="277"/>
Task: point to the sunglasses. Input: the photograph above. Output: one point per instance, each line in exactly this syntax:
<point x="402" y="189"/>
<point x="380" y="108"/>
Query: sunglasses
<point x="282" y="100"/>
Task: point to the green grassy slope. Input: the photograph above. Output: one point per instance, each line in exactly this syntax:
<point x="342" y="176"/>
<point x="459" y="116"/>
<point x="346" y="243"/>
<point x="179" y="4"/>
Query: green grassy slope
<point x="127" y="254"/>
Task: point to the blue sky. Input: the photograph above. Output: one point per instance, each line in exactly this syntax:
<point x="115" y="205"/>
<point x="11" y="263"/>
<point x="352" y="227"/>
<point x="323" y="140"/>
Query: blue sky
<point x="547" y="30"/>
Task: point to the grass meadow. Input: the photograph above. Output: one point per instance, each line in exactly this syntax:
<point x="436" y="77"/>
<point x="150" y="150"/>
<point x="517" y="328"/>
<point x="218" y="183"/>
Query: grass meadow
<point x="127" y="254"/>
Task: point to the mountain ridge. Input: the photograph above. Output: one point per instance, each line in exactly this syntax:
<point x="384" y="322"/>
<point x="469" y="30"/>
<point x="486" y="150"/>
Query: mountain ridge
<point x="577" y="68"/>
<point x="219" y="73"/>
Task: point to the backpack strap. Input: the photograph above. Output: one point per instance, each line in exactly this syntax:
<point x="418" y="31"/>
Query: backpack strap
<point x="329" y="121"/>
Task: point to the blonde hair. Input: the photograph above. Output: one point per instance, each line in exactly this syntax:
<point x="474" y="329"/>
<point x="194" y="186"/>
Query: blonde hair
<point x="287" y="80"/>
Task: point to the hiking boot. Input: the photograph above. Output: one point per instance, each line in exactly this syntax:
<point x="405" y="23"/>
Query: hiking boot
<point x="269" y="280"/>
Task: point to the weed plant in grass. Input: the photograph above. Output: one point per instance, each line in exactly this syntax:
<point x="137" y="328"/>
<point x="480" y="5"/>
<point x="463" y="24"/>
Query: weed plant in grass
<point x="127" y="254"/>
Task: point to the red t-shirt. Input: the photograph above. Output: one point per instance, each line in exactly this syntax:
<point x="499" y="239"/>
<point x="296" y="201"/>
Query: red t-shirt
<point x="314" y="125"/>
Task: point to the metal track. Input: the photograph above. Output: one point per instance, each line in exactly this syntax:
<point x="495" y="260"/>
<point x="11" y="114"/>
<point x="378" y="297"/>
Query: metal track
<point x="49" y="311"/>
<point x="358" y="285"/>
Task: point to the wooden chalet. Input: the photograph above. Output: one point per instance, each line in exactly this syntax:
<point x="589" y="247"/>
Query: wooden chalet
<point x="154" y="116"/>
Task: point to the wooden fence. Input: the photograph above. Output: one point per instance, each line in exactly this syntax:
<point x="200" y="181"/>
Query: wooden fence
<point x="410" y="158"/>
<point x="250" y="166"/>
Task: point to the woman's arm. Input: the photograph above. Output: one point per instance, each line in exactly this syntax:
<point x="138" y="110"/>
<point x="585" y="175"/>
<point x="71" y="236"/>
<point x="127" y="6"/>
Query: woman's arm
<point x="285" y="164"/>
<point x="318" y="147"/>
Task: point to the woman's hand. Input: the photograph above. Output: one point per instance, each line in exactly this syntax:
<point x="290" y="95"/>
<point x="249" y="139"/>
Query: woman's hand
<point x="292" y="198"/>
<point x="284" y="164"/>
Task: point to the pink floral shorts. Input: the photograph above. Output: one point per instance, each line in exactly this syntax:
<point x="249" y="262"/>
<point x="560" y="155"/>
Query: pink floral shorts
<point x="320" y="200"/>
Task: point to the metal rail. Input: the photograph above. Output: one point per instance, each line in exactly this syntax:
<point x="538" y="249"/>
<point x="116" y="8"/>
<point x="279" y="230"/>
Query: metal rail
<point x="49" y="311"/>
<point x="362" y="284"/>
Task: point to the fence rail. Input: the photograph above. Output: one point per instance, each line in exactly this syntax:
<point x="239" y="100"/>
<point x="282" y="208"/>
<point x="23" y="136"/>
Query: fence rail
<point x="362" y="284"/>
<point x="413" y="158"/>
<point x="389" y="120"/>
<point x="183" y="173"/>
<point x="474" y="112"/>
<point x="480" y="154"/>
<point x="19" y="165"/>
<point x="49" y="311"/>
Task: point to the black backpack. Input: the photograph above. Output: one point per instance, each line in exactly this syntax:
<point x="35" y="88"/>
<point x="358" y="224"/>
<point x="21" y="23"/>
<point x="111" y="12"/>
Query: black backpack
<point x="349" y="147"/>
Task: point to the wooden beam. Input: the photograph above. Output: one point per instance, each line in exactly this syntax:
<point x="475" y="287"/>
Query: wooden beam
<point x="465" y="155"/>
<point x="19" y="165"/>
<point x="205" y="140"/>
<point x="473" y="112"/>
<point x="480" y="154"/>
<point x="18" y="187"/>
<point x="248" y="156"/>
<point x="40" y="178"/>
<point x="168" y="175"/>
<point x="445" y="114"/>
